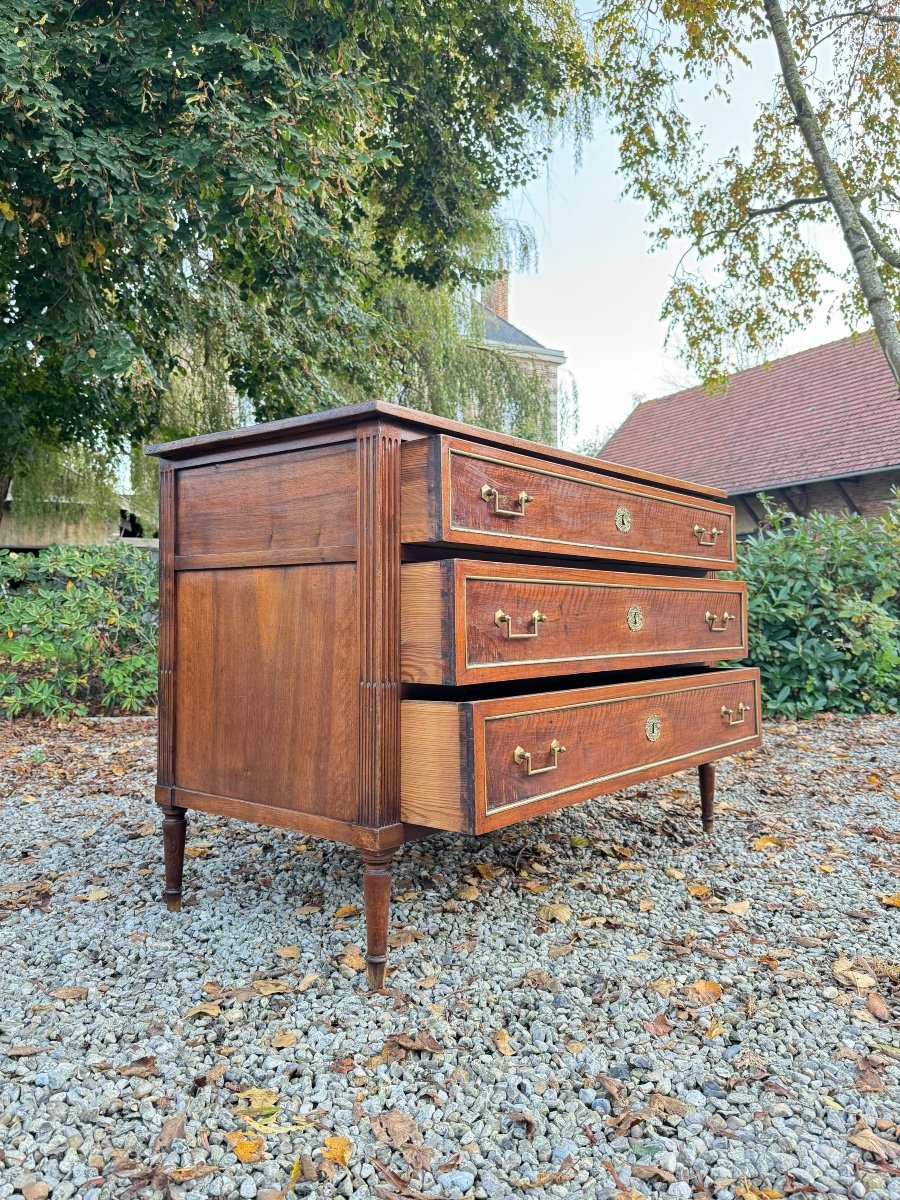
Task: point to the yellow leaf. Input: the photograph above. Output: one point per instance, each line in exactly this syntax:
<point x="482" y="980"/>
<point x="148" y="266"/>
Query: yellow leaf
<point x="98" y="894"/>
<point x="501" y="1038"/>
<point x="575" y="1047"/>
<point x="714" y="1029"/>
<point x="70" y="585"/>
<point x="703" y="991"/>
<point x="766" y="843"/>
<point x="337" y="1149"/>
<point x="353" y="959"/>
<point x="306" y="982"/>
<point x="891" y="899"/>
<point x="347" y="910"/>
<point x="6" y="211"/>
<point x="203" y="1010"/>
<point x="826" y="868"/>
<point x="555" y="912"/>
<point x="739" y="908"/>
<point x="284" y="1039"/>
<point x="699" y="890"/>
<point x="288" y="952"/>
<point x="663" y="987"/>
<point x="641" y="956"/>
<point x="29" y="800"/>
<point x="247" y="1149"/>
<point x="673" y="873"/>
<point x="486" y="871"/>
<point x="645" y="905"/>
<point x="258" y="1098"/>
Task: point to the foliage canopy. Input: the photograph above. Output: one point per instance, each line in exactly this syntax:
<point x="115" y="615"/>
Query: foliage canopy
<point x="823" y="150"/>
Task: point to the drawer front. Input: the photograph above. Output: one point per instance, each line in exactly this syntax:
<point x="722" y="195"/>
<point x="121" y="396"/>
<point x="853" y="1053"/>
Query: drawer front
<point x="527" y="755"/>
<point x="466" y="621"/>
<point x="475" y="496"/>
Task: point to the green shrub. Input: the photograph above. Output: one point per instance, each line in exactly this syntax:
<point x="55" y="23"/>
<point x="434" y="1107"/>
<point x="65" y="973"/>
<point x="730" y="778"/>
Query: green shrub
<point x="824" y="612"/>
<point x="78" y="630"/>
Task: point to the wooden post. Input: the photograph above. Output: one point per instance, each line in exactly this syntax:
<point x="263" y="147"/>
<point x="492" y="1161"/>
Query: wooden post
<point x="377" y="900"/>
<point x="174" y="830"/>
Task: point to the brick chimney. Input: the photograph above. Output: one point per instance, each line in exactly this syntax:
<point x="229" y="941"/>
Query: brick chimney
<point x="495" y="296"/>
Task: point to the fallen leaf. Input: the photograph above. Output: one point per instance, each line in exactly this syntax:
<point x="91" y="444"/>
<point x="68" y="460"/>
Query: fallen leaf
<point x="674" y="873"/>
<point x="714" y="1029"/>
<point x="659" y="1026"/>
<point x="272" y="987"/>
<point x="203" y="1010"/>
<point x="501" y="1038"/>
<point x="867" y="1139"/>
<point x="877" y="1007"/>
<point x="663" y="987"/>
<point x="699" y="890"/>
<point x="142" y="1068"/>
<point x="645" y="905"/>
<point x="468" y="893"/>
<point x="670" y="1105"/>
<point x="283" y="1039"/>
<point x="246" y="1148"/>
<point x="703" y="991"/>
<point x="890" y="900"/>
<point x="766" y="843"/>
<point x="186" y="1174"/>
<point x="288" y="951"/>
<point x="395" y="1128"/>
<point x="486" y="871"/>
<point x="337" y="1150"/>
<point x="70" y="993"/>
<point x="519" y="1118"/>
<point x="418" y="1157"/>
<point x="555" y="912"/>
<point x="845" y="972"/>
<point x="25" y="1051"/>
<point x="347" y="910"/>
<point x="171" y="1131"/>
<point x="353" y="959"/>
<point x="306" y="982"/>
<point x="739" y="908"/>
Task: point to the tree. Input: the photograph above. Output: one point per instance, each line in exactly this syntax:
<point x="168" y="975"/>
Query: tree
<point x="824" y="150"/>
<point x="167" y="169"/>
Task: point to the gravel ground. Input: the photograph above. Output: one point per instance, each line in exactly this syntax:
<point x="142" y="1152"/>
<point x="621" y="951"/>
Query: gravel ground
<point x="600" y="1004"/>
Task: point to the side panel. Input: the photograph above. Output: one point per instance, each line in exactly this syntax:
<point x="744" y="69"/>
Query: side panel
<point x="265" y="687"/>
<point x="298" y="506"/>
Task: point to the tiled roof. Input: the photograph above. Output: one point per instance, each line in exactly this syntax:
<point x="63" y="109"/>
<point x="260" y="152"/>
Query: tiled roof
<point x="823" y="413"/>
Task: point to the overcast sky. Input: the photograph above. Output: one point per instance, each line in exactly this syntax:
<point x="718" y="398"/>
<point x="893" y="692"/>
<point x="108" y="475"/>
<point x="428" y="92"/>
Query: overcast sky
<point x="598" y="289"/>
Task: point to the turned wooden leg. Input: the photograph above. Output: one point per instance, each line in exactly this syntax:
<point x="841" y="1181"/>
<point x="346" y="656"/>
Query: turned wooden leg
<point x="707" y="794"/>
<point x="174" y="829"/>
<point x="377" y="899"/>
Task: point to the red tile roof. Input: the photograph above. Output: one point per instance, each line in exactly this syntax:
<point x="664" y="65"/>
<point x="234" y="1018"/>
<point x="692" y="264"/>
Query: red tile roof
<point x="823" y="413"/>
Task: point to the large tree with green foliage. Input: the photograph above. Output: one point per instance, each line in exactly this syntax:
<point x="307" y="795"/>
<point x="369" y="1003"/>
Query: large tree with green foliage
<point x="264" y="171"/>
<point x="823" y="150"/>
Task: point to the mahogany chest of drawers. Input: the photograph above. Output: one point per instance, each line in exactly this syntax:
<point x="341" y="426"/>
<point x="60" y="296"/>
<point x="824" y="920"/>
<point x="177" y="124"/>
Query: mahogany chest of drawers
<point x="376" y="624"/>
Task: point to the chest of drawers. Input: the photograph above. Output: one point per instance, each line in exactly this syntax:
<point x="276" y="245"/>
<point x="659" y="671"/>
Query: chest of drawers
<point x="377" y="624"/>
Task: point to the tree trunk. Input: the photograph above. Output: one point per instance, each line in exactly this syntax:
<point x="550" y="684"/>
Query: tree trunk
<point x="858" y="244"/>
<point x="5" y="481"/>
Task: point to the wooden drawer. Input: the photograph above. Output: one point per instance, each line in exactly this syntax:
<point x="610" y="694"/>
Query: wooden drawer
<point x="477" y="765"/>
<point x="465" y="621"/>
<point x="456" y="492"/>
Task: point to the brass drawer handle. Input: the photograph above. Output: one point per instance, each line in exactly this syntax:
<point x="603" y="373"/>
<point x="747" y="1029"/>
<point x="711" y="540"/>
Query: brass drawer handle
<point x="489" y="494"/>
<point x="728" y="714"/>
<point x="707" y="537"/>
<point x="712" y="618"/>
<point x="501" y="618"/>
<point x="522" y="756"/>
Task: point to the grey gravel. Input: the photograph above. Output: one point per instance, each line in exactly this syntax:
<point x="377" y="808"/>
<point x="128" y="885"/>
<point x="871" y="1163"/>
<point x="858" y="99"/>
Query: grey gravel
<point x="761" y="1086"/>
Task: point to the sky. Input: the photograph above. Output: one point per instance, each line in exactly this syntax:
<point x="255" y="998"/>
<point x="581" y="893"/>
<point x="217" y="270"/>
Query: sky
<point x="598" y="288"/>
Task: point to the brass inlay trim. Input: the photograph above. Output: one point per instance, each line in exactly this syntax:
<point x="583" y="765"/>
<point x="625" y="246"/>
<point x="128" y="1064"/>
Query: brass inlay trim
<point x="603" y="486"/>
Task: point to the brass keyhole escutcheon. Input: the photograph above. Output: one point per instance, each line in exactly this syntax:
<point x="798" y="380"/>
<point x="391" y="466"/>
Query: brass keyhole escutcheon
<point x="623" y="519"/>
<point x="653" y="728"/>
<point x="635" y="618"/>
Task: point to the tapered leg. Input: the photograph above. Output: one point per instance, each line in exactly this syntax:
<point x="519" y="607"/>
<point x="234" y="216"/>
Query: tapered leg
<point x="174" y="829"/>
<point x="377" y="898"/>
<point x="707" y="794"/>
